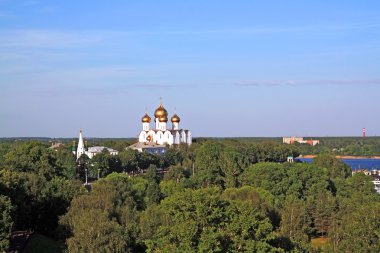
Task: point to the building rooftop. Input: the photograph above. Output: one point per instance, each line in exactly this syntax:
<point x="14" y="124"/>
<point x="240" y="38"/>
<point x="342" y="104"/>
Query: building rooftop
<point x="99" y="149"/>
<point x="141" y="145"/>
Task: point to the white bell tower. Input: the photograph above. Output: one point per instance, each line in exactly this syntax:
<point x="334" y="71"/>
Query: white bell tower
<point x="81" y="149"/>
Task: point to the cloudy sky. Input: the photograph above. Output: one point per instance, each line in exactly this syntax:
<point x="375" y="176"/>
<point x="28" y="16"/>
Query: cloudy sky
<point x="230" y="68"/>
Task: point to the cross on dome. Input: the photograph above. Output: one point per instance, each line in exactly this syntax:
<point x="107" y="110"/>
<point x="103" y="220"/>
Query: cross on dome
<point x="161" y="113"/>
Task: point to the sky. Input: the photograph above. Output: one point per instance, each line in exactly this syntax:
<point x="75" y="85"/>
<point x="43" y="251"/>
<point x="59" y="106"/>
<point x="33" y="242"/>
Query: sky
<point x="230" y="68"/>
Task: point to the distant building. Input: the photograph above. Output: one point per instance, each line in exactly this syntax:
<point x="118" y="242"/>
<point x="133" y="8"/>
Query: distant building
<point x="91" y="151"/>
<point x="290" y="159"/>
<point x="155" y="140"/>
<point x="376" y="183"/>
<point x="149" y="147"/>
<point x="55" y="145"/>
<point x="292" y="140"/>
<point x="375" y="174"/>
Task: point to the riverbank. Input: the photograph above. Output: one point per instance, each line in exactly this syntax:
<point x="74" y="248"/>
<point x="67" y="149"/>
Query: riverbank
<point x="344" y="157"/>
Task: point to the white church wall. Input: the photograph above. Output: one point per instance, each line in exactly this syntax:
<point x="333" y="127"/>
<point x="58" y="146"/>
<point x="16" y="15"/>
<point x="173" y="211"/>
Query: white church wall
<point x="160" y="133"/>
<point x="168" y="138"/>
<point x="189" y="138"/>
<point x="146" y="126"/>
<point x="183" y="136"/>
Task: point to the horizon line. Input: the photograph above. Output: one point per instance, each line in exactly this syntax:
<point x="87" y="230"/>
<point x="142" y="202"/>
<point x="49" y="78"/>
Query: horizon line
<point x="197" y="137"/>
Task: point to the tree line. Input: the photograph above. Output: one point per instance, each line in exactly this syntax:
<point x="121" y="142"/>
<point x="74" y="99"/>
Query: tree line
<point x="217" y="196"/>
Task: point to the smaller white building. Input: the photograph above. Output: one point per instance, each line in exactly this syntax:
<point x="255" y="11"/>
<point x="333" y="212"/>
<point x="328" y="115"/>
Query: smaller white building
<point x="375" y="174"/>
<point x="149" y="147"/>
<point x="376" y="183"/>
<point x="91" y="151"/>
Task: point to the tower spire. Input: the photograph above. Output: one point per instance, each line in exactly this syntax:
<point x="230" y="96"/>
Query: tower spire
<point x="80" y="149"/>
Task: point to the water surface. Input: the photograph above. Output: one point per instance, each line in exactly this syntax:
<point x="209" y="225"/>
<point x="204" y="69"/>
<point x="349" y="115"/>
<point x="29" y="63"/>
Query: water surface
<point x="361" y="163"/>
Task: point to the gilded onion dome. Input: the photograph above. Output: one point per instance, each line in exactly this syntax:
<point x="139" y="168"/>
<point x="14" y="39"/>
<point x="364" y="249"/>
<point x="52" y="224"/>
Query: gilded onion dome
<point x="161" y="112"/>
<point x="146" y="118"/>
<point x="149" y="138"/>
<point x="163" y="119"/>
<point x="175" y="118"/>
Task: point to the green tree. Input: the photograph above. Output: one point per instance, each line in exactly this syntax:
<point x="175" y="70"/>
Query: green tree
<point x="177" y="173"/>
<point x="334" y="166"/>
<point x="323" y="207"/>
<point x="139" y="186"/>
<point x="145" y="160"/>
<point x="66" y="163"/>
<point x="153" y="192"/>
<point x="250" y="229"/>
<point x="23" y="188"/>
<point x="103" y="220"/>
<point x="129" y="160"/>
<point x="169" y="187"/>
<point x="201" y="221"/>
<point x="83" y="164"/>
<point x="352" y="194"/>
<point x="209" y="164"/>
<point x="296" y="224"/>
<point x="5" y="147"/>
<point x="173" y="156"/>
<point x="32" y="156"/>
<point x="274" y="152"/>
<point x="6" y="222"/>
<point x="94" y="232"/>
<point x="359" y="231"/>
<point x="282" y="180"/>
<point x="38" y="201"/>
<point x="234" y="163"/>
<point x="104" y="164"/>
<point x="269" y="176"/>
<point x="54" y="199"/>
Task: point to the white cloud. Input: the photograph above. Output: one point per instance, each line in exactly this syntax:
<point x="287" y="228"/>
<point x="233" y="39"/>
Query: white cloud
<point x="47" y="39"/>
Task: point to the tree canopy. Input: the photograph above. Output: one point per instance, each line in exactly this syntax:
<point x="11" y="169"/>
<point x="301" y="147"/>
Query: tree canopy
<point x="215" y="196"/>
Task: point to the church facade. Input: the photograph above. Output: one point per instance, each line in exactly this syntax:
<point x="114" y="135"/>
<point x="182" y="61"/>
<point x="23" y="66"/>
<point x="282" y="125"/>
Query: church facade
<point x="161" y="134"/>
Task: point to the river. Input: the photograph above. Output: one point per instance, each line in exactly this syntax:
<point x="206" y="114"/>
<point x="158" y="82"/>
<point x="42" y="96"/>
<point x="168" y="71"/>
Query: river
<point x="362" y="163"/>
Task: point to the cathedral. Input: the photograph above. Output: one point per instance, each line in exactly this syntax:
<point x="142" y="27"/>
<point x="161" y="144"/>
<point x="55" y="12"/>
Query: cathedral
<point x="161" y="135"/>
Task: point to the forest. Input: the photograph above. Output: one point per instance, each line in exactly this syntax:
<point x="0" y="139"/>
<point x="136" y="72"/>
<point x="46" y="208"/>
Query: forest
<point x="218" y="195"/>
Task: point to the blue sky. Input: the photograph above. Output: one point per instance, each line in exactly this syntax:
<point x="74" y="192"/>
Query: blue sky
<point x="231" y="68"/>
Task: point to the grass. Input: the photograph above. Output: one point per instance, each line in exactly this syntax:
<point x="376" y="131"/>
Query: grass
<point x="320" y="242"/>
<point x="42" y="244"/>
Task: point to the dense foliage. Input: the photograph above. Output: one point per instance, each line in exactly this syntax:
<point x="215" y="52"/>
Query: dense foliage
<point x="215" y="196"/>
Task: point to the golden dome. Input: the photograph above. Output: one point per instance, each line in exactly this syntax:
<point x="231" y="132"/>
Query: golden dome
<point x="160" y="111"/>
<point x="175" y="118"/>
<point x="149" y="138"/>
<point x="163" y="119"/>
<point x="146" y="118"/>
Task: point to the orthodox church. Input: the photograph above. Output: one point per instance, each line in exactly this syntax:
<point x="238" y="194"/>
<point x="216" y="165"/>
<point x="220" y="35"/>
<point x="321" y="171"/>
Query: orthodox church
<point x="161" y="135"/>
